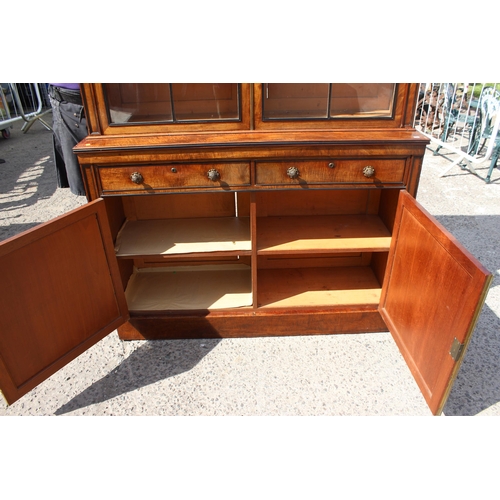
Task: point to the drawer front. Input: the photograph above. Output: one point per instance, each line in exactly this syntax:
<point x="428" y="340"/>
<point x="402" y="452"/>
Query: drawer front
<point x="172" y="176"/>
<point x="330" y="172"/>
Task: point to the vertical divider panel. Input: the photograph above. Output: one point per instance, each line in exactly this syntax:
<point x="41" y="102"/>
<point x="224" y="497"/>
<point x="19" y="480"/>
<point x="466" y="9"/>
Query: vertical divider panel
<point x="253" y="239"/>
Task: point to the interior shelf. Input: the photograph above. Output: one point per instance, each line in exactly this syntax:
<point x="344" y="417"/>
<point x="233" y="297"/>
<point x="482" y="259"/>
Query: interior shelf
<point x="320" y="286"/>
<point x="183" y="236"/>
<point x="190" y="288"/>
<point x="322" y="234"/>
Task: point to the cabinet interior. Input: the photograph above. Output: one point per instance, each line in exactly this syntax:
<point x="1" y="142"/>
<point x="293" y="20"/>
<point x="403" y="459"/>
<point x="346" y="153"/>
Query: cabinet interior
<point x="274" y="249"/>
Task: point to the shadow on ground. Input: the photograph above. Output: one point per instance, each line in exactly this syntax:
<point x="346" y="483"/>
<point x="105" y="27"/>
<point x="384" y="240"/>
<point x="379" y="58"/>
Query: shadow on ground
<point x="151" y="362"/>
<point x="476" y="387"/>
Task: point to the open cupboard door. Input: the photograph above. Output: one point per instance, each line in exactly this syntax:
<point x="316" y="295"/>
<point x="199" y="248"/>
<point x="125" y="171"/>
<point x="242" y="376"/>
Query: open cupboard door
<point x="432" y="295"/>
<point x="61" y="293"/>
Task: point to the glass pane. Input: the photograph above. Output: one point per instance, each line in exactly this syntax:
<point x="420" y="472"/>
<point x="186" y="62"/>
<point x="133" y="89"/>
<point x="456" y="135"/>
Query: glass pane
<point x="327" y="100"/>
<point x="362" y="99"/>
<point x="205" y="101"/>
<point x="170" y="103"/>
<point x="139" y="102"/>
<point x="295" y="100"/>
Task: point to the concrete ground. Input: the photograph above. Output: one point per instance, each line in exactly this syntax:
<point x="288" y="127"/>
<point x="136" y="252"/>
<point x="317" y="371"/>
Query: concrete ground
<point x="317" y="375"/>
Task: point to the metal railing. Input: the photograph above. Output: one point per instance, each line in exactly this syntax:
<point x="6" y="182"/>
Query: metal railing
<point x="452" y="115"/>
<point x="26" y="102"/>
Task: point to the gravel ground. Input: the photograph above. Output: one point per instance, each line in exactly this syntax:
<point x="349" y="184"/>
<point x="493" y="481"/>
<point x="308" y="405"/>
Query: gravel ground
<point x="326" y="375"/>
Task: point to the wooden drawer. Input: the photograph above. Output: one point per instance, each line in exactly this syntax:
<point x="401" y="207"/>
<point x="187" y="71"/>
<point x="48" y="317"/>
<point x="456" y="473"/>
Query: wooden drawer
<point x="159" y="177"/>
<point x="330" y="172"/>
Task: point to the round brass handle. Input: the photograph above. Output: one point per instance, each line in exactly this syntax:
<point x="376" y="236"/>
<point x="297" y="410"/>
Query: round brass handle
<point x="213" y="174"/>
<point x="368" y="171"/>
<point x="292" y="172"/>
<point x="137" y="178"/>
<point x="331" y="165"/>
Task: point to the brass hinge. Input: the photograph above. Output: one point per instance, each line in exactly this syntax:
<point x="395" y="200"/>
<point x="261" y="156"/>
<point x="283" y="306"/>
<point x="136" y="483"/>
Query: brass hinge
<point x="456" y="349"/>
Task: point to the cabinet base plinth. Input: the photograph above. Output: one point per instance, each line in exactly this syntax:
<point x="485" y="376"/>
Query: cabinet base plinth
<point x="228" y="325"/>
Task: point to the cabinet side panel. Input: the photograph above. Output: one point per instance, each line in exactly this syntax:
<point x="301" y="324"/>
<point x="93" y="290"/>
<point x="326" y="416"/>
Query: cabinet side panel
<point x="115" y="213"/>
<point x="388" y="207"/>
<point x="413" y="178"/>
<point x="91" y="110"/>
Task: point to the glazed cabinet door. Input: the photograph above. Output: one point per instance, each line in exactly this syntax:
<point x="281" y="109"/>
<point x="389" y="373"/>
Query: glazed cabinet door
<point x="61" y="292"/>
<point x="432" y="295"/>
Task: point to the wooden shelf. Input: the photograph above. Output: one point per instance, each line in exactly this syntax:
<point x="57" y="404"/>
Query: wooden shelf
<point x="184" y="236"/>
<point x="320" y="286"/>
<point x="190" y="288"/>
<point x="322" y="234"/>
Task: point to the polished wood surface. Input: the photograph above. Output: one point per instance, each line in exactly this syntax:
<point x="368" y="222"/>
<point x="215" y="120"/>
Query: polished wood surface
<point x="324" y="287"/>
<point x="143" y="102"/>
<point x="116" y="179"/>
<point x="184" y="236"/>
<point x="248" y="324"/>
<point x="60" y="293"/>
<point x="432" y="292"/>
<point x="190" y="287"/>
<point x="321" y="234"/>
<point x="298" y="143"/>
<point x="330" y="172"/>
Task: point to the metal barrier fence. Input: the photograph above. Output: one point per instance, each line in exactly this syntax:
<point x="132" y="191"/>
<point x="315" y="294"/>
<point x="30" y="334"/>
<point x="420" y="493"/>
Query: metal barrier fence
<point x="461" y="118"/>
<point x="26" y="102"/>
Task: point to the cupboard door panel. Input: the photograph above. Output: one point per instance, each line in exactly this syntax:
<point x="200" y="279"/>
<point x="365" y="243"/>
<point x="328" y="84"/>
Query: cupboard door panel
<point x="432" y="294"/>
<point x="60" y="293"/>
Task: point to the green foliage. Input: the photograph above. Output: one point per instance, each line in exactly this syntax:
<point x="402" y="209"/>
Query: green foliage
<point x="476" y="89"/>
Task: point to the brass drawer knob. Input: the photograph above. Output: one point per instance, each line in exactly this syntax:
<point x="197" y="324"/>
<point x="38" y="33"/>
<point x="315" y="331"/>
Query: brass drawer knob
<point x="293" y="172"/>
<point x="137" y="178"/>
<point x="213" y="174"/>
<point x="368" y="171"/>
<point x="331" y="165"/>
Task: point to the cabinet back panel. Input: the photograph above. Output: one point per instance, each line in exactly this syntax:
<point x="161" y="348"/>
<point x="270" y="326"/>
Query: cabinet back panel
<point x="337" y="260"/>
<point x="356" y="201"/>
<point x="180" y="206"/>
<point x="146" y="262"/>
